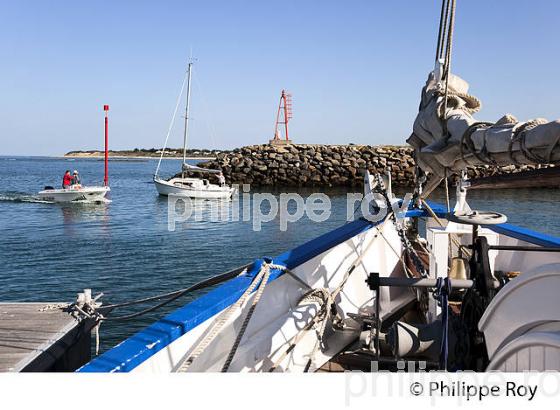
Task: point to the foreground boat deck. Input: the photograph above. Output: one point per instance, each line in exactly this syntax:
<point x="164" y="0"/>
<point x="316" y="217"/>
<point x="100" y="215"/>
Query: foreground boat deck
<point x="41" y="337"/>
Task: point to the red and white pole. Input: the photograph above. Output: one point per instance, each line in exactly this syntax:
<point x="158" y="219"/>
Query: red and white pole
<point x="106" y="179"/>
<point x="285" y="113"/>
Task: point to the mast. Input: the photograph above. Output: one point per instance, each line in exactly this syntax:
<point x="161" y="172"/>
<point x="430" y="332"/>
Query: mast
<point x="187" y="114"/>
<point x="106" y="178"/>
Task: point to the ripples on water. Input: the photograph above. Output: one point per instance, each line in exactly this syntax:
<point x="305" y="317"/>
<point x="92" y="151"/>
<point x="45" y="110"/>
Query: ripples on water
<point x="49" y="252"/>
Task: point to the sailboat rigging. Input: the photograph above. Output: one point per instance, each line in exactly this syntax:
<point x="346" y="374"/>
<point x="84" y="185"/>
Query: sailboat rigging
<point x="191" y="182"/>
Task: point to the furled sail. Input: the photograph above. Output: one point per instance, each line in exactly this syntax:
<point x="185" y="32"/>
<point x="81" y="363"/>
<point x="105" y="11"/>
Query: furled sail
<point x="194" y="168"/>
<point x="455" y="140"/>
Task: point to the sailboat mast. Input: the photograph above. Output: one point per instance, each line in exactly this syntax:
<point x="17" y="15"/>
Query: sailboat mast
<point x="187" y="114"/>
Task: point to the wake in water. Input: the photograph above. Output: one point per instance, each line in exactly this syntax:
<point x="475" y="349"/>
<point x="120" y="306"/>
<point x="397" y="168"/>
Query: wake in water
<point x="14" y="196"/>
<point x="24" y="197"/>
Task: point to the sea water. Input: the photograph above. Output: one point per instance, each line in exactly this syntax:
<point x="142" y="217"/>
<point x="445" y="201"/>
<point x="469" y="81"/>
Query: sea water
<point x="124" y="248"/>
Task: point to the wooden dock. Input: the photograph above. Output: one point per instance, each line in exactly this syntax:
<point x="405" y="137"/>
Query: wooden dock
<point x="40" y="337"/>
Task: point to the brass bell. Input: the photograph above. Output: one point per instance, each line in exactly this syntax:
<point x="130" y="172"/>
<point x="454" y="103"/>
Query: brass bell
<point x="459" y="268"/>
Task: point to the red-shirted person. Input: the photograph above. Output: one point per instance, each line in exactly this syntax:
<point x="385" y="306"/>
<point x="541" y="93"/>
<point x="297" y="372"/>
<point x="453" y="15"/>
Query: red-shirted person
<point x="67" y="179"/>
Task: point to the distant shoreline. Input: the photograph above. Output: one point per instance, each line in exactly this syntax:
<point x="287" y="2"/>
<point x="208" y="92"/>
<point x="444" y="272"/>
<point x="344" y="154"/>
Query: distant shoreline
<point x="196" y="154"/>
<point x="121" y="157"/>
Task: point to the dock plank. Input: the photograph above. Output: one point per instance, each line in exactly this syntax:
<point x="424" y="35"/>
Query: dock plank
<point x="27" y="332"/>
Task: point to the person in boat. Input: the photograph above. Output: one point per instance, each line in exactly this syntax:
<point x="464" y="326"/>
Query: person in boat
<point x="221" y="179"/>
<point x="75" y="178"/>
<point x="66" y="180"/>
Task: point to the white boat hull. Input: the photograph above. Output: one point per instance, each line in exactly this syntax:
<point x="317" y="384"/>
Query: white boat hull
<point x="520" y="325"/>
<point x="279" y="318"/>
<point x="175" y="186"/>
<point x="83" y="194"/>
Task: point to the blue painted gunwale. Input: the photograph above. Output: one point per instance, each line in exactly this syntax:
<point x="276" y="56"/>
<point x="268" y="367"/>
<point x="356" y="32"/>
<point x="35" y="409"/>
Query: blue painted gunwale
<point x="141" y="346"/>
<point x="133" y="351"/>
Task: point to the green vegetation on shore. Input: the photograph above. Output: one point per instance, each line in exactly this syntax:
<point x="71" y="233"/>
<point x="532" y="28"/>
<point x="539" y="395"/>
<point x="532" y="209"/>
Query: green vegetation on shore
<point x="148" y="153"/>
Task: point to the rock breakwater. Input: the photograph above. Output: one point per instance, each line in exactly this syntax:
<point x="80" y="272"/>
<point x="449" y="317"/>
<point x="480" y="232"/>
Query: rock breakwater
<point x="324" y="165"/>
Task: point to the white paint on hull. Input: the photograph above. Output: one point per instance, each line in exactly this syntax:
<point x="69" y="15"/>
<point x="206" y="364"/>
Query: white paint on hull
<point x="192" y="188"/>
<point x="83" y="194"/>
<point x="278" y="317"/>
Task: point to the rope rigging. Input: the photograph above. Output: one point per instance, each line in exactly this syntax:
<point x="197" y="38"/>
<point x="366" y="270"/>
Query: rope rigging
<point x="96" y="312"/>
<point x="200" y="285"/>
<point x="327" y="309"/>
<point x="407" y="246"/>
<point x="261" y="280"/>
<point x="219" y="323"/>
<point x="265" y="276"/>
<point x="447" y="138"/>
<point x="172" y="122"/>
<point x="443" y="50"/>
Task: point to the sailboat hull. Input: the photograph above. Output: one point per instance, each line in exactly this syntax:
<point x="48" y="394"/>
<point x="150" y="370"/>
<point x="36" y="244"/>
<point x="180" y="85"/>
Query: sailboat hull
<point x="192" y="188"/>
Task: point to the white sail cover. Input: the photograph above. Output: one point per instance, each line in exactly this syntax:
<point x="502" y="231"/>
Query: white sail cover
<point x="469" y="142"/>
<point x="193" y="168"/>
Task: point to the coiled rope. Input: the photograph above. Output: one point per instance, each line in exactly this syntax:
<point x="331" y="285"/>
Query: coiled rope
<point x="326" y="301"/>
<point x="323" y="297"/>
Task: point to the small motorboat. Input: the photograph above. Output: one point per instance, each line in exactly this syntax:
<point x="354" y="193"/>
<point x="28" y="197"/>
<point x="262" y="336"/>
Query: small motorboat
<point x="78" y="192"/>
<point x="75" y="193"/>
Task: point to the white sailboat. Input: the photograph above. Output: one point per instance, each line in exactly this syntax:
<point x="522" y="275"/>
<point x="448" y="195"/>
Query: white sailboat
<point x="192" y="182"/>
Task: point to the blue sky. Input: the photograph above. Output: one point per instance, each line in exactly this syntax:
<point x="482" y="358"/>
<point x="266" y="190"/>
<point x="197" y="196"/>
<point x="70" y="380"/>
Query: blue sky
<point x="355" y="68"/>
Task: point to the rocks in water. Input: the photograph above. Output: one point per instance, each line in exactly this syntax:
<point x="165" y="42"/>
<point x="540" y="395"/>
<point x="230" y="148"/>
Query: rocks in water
<point x="324" y="165"/>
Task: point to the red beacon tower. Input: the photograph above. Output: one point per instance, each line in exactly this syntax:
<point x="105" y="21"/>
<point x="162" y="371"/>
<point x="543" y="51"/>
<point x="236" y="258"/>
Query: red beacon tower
<point x="283" y="117"/>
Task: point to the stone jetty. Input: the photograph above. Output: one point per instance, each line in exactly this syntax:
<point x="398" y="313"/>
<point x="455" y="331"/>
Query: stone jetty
<point x="323" y="165"/>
